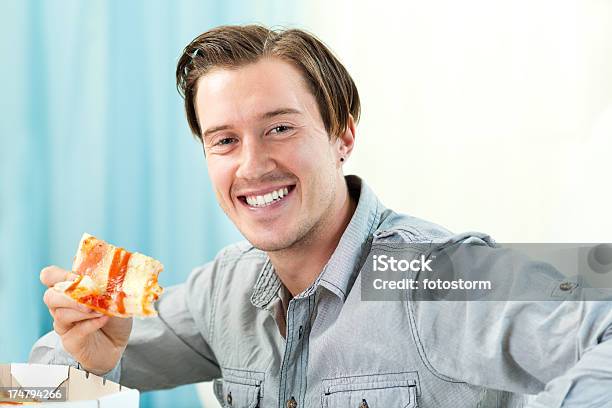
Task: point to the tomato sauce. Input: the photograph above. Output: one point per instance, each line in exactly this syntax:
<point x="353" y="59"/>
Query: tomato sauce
<point x="120" y="301"/>
<point x="99" y="301"/>
<point x="116" y="275"/>
<point x="93" y="251"/>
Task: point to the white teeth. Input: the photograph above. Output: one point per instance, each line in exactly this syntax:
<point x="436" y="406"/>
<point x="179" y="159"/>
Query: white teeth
<point x="266" y="199"/>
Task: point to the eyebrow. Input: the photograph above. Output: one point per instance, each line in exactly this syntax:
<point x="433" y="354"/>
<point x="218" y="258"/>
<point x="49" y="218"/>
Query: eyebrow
<point x="282" y="111"/>
<point x="267" y="115"/>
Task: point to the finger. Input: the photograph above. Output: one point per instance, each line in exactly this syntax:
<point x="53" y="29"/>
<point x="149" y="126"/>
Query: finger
<point x="86" y="327"/>
<point x="60" y="328"/>
<point x="51" y="275"/>
<point x="69" y="316"/>
<point x="54" y="300"/>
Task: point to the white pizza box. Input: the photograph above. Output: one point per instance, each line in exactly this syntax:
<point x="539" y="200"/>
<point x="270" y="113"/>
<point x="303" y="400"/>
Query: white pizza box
<point x="83" y="389"/>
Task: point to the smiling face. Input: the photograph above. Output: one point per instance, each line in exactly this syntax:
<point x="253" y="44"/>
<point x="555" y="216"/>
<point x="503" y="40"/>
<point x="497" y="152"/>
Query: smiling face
<point x="275" y="171"/>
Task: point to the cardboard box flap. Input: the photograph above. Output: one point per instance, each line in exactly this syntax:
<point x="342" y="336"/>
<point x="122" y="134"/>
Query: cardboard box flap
<point x="6" y="379"/>
<point x="71" y="404"/>
<point x="39" y="375"/>
<point x="83" y="386"/>
<point x="81" y="389"/>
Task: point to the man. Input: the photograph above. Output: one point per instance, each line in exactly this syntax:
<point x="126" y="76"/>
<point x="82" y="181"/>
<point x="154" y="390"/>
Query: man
<point x="279" y="321"/>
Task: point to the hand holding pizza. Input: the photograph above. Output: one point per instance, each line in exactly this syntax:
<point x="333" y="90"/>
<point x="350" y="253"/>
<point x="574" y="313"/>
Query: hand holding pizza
<point x="93" y="307"/>
<point x="93" y="339"/>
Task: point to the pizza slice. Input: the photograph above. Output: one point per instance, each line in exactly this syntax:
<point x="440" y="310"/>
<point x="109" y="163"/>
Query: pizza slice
<point x="112" y="280"/>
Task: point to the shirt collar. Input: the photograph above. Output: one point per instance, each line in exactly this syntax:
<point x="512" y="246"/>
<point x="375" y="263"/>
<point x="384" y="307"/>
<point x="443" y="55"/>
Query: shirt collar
<point x="339" y="273"/>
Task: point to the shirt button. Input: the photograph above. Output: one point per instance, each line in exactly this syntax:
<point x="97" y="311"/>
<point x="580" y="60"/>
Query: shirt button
<point x="565" y="286"/>
<point x="363" y="404"/>
<point x="229" y="398"/>
<point x="291" y="403"/>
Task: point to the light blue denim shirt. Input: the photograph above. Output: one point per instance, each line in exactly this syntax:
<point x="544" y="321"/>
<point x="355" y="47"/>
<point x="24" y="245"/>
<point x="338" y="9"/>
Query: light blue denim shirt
<point x="232" y="322"/>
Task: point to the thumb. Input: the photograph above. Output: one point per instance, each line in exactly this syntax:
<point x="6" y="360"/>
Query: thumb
<point x="51" y="275"/>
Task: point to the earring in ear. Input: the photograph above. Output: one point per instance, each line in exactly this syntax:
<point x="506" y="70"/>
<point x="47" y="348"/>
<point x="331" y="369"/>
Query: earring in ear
<point x="342" y="159"/>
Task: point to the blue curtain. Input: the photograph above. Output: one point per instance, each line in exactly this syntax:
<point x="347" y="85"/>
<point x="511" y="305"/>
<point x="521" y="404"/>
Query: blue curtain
<point x="93" y="139"/>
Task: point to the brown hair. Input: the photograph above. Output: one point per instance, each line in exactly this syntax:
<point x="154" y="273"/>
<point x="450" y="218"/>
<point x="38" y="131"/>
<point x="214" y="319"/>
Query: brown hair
<point x="233" y="46"/>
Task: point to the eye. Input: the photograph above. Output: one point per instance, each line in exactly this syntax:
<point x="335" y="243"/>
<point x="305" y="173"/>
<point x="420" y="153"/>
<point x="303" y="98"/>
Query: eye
<point x="225" y="141"/>
<point x="280" y="129"/>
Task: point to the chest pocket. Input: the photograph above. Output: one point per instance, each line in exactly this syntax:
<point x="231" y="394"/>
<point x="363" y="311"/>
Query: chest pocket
<point x="397" y="390"/>
<point x="239" y="388"/>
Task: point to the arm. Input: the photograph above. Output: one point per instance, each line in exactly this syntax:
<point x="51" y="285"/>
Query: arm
<point x="169" y="350"/>
<point x="588" y="382"/>
<point x="163" y="351"/>
<point x="522" y="339"/>
<point x="49" y="350"/>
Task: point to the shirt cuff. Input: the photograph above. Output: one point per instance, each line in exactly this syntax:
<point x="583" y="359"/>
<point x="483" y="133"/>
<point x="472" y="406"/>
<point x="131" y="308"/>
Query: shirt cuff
<point x="49" y="350"/>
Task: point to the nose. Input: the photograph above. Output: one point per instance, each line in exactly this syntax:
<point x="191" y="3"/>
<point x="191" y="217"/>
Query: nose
<point x="255" y="159"/>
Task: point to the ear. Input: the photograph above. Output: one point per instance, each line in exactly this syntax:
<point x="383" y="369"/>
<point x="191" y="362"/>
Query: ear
<point x="346" y="141"/>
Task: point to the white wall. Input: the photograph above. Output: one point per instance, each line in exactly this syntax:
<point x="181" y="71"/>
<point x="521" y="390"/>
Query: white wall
<point x="481" y="115"/>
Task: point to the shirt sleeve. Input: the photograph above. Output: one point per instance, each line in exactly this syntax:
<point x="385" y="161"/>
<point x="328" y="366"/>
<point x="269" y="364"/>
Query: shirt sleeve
<point x="529" y="338"/>
<point x="163" y="351"/>
<point x="588" y="382"/>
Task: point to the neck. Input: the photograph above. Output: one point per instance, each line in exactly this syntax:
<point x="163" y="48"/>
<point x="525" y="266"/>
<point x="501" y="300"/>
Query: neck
<point x="299" y="265"/>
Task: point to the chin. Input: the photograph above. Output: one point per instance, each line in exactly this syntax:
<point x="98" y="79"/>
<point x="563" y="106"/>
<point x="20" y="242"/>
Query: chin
<point x="269" y="244"/>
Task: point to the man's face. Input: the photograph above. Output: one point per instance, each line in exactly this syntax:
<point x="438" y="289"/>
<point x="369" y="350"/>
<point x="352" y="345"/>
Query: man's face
<point x="273" y="167"/>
